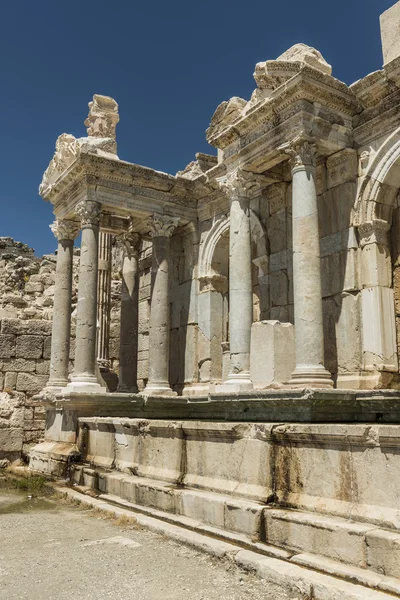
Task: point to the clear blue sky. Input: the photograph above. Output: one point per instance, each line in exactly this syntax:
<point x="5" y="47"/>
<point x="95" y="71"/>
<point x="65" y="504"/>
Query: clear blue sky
<point x="168" y="65"/>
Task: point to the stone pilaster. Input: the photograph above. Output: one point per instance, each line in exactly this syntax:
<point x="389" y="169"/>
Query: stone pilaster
<point x="104" y="300"/>
<point x="238" y="187"/>
<point x="309" y="335"/>
<point x="128" y="349"/>
<point x="84" y="376"/>
<point x="379" y="352"/>
<point x="162" y="228"/>
<point x="65" y="231"/>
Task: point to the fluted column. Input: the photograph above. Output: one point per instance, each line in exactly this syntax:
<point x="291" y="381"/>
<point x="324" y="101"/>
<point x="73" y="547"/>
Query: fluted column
<point x="128" y="346"/>
<point x="310" y="370"/>
<point x="84" y="376"/>
<point x="162" y="228"/>
<point x="104" y="300"/>
<point x="238" y="186"/>
<point x="65" y="231"/>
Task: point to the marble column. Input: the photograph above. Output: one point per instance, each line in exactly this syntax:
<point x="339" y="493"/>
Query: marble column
<point x="162" y="228"/>
<point x="84" y="377"/>
<point x="238" y="186"/>
<point x="309" y="334"/>
<point x="128" y="346"/>
<point x="104" y="300"/>
<point x="65" y="231"/>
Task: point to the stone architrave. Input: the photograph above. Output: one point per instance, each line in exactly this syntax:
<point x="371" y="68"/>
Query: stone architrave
<point x="84" y="376"/>
<point x="310" y="370"/>
<point x="65" y="231"/>
<point x="239" y="187"/>
<point x="162" y="227"/>
<point x="128" y="349"/>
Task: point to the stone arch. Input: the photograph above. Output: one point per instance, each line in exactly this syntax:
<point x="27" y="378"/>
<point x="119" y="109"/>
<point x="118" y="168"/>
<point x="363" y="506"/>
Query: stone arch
<point x="218" y="230"/>
<point x="375" y="192"/>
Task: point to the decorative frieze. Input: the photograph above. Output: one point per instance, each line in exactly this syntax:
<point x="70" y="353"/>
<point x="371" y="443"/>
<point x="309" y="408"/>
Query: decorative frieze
<point x="342" y="167"/>
<point x="64" y="229"/>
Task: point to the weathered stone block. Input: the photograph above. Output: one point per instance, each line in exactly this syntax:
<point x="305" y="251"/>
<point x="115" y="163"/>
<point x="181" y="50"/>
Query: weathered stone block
<point x="19" y="364"/>
<point x="7" y="346"/>
<point x="279" y="288"/>
<point x="47" y="347"/>
<point x="42" y="367"/>
<point x="10" y="381"/>
<point x="10" y="440"/>
<point x="342" y="167"/>
<point x="28" y="327"/>
<point x="28" y="382"/>
<point x="390" y="33"/>
<point x="272" y="354"/>
<point x="276" y="228"/>
<point x="383" y="552"/>
<point x="29" y="346"/>
<point x="34" y="287"/>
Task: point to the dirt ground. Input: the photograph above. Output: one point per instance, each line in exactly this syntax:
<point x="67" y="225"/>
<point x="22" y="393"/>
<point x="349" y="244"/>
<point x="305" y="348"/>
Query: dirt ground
<point x="50" y="550"/>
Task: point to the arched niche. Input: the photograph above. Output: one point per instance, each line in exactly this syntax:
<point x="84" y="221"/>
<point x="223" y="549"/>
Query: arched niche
<point x="377" y="217"/>
<point x="213" y="304"/>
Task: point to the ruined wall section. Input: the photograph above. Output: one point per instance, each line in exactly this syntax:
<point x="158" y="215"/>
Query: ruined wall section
<point x="26" y="311"/>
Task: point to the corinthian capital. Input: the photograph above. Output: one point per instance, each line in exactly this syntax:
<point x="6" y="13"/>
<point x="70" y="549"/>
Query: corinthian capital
<point x="130" y="240"/>
<point x="64" y="229"/>
<point x="162" y="225"/>
<point x="374" y="232"/>
<point x="243" y="184"/>
<point x="89" y="212"/>
<point x="302" y="153"/>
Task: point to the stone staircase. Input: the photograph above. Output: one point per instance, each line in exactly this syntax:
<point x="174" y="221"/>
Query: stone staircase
<point x="357" y="552"/>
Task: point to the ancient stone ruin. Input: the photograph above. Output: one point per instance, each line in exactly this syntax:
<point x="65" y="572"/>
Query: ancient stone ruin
<point x="225" y="348"/>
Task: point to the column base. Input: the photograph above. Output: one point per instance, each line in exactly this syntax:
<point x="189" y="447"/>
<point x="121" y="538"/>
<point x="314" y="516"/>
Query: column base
<point x="240" y="382"/>
<point x="196" y="389"/>
<point x="158" y="389"/>
<point x="55" y="386"/>
<point x="309" y="376"/>
<point x="125" y="389"/>
<point x="85" y="383"/>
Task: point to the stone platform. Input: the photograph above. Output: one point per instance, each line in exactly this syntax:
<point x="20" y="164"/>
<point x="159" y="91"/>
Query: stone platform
<point x="298" y="491"/>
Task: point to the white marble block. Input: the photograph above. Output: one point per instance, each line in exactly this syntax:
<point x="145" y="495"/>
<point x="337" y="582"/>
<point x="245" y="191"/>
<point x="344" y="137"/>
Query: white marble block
<point x="379" y="331"/>
<point x="272" y="354"/>
<point x="390" y="33"/>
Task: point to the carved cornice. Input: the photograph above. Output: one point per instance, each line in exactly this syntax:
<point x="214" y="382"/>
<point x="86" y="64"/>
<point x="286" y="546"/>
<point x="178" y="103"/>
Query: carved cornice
<point x="64" y="229"/>
<point x="308" y="85"/>
<point x="373" y="232"/>
<point x="89" y="213"/>
<point x="162" y="225"/>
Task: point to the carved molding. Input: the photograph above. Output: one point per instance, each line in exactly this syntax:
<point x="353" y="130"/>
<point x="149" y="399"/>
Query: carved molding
<point x="89" y="212"/>
<point x="373" y="232"/>
<point x="162" y="225"/>
<point x="64" y="229"/>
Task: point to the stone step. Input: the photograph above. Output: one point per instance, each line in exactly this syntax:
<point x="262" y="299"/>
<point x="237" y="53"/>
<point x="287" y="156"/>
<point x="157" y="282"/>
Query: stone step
<point x="284" y="578"/>
<point x="358" y="544"/>
<point x="223" y="511"/>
